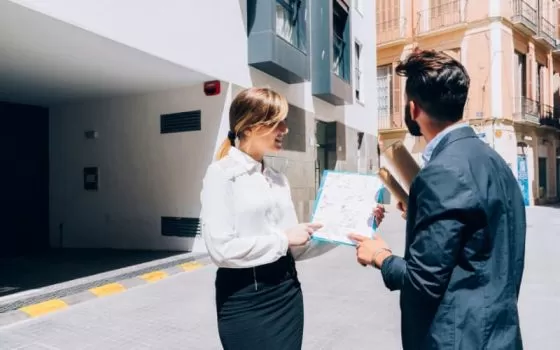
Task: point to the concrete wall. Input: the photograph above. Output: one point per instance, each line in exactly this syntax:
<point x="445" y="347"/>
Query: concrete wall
<point x="143" y="174"/>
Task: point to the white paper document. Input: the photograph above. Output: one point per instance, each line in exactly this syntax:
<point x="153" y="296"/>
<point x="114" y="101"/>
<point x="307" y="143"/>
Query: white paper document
<point x="344" y="205"/>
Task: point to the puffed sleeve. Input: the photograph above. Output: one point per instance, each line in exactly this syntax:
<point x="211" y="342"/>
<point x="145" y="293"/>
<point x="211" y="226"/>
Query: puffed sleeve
<point x="226" y="247"/>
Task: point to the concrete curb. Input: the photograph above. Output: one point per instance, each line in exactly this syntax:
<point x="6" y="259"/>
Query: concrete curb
<point x="39" y="305"/>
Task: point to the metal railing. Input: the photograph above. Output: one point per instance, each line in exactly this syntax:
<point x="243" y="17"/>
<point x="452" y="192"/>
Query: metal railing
<point x="546" y="31"/>
<point x="391" y="30"/>
<point x="525" y="14"/>
<point x="526" y="110"/>
<point x="390" y="117"/>
<point x="441" y="16"/>
<point x="550" y="116"/>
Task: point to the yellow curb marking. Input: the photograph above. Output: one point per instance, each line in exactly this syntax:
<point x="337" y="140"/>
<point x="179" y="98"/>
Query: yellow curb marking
<point x="44" y="307"/>
<point x="108" y="289"/>
<point x="154" y="276"/>
<point x="191" y="265"/>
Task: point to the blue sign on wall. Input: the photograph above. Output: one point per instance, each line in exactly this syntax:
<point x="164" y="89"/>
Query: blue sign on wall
<point x="523" y="178"/>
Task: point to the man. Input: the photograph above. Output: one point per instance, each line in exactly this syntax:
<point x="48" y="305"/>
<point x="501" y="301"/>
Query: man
<point x="465" y="236"/>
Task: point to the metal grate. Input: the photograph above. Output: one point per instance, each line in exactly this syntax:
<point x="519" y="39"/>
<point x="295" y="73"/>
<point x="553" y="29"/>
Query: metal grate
<point x="180" y="227"/>
<point x="180" y="122"/>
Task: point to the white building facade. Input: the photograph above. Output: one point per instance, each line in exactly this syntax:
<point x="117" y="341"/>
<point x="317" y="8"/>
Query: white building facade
<point x="119" y="89"/>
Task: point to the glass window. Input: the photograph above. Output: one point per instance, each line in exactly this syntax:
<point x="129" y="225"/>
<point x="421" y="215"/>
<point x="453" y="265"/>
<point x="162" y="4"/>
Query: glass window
<point x="358" y="83"/>
<point x="291" y="18"/>
<point x="341" y="48"/>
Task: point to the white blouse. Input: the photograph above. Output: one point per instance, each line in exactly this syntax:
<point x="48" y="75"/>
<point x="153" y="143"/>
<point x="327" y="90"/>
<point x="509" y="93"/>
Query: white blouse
<point x="245" y="212"/>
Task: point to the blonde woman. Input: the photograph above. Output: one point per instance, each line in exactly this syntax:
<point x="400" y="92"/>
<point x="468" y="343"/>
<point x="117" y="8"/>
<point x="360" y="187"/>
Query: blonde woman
<point x="252" y="233"/>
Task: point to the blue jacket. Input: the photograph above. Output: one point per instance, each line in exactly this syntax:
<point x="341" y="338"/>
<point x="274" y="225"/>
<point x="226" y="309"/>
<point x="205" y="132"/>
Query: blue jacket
<point x="465" y="247"/>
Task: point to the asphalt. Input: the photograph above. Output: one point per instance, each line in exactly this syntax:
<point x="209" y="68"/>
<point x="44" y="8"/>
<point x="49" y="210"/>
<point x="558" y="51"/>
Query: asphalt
<point x="346" y="305"/>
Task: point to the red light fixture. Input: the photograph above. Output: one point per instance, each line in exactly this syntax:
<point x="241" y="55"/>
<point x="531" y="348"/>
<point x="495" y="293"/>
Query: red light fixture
<point x="212" y="88"/>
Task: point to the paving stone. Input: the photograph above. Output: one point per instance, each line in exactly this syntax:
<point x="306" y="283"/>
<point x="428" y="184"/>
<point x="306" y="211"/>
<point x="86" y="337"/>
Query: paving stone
<point x="346" y="305"/>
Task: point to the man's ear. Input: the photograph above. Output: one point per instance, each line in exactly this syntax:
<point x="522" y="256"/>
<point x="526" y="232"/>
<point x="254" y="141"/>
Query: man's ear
<point x="414" y="110"/>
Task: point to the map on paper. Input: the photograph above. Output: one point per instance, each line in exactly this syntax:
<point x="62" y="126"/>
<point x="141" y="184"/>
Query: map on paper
<point x="344" y="205"/>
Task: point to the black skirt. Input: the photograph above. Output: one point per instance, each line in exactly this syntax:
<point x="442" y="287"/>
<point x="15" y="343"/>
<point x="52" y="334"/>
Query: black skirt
<point x="260" y="308"/>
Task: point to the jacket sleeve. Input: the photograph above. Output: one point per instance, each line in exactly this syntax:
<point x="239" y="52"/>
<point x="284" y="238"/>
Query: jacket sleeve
<point x="447" y="208"/>
<point x="226" y="246"/>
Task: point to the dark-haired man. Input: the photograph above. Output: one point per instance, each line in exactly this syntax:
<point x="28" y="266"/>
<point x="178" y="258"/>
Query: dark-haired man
<point x="465" y="238"/>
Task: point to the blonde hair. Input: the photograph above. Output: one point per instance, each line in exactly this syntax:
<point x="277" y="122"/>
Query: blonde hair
<point x="253" y="107"/>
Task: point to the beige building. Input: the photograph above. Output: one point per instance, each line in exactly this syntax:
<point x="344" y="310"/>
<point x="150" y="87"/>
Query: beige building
<point x="512" y="53"/>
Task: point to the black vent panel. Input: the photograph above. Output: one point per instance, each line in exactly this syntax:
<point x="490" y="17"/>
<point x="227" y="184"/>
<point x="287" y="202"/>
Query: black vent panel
<point x="179" y="227"/>
<point x="180" y="122"/>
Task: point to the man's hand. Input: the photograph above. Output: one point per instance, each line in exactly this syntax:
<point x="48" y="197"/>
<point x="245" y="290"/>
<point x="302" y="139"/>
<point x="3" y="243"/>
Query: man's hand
<point x="402" y="207"/>
<point x="370" y="251"/>
<point x="379" y="214"/>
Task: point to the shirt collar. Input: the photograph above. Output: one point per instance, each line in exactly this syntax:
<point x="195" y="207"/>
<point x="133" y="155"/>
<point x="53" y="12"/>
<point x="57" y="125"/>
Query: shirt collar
<point x="245" y="160"/>
<point x="431" y="146"/>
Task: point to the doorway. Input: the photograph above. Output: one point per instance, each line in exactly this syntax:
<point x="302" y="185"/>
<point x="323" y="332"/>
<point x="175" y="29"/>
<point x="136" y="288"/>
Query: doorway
<point x="24" y="150"/>
<point x="326" y="150"/>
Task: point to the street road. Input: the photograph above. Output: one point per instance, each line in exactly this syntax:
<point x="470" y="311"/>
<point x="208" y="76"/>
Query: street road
<point x="347" y="307"/>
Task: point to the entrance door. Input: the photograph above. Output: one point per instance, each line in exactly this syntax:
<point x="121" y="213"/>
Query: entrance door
<point x="523" y="178"/>
<point x="326" y="149"/>
<point x="24" y="179"/>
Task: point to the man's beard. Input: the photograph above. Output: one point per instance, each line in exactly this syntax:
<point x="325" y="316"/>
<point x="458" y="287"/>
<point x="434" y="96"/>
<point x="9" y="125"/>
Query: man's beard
<point x="411" y="125"/>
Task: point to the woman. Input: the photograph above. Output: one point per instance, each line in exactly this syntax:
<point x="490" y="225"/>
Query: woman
<point x="252" y="233"/>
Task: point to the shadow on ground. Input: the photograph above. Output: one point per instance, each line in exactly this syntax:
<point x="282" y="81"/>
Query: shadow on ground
<point x="24" y="273"/>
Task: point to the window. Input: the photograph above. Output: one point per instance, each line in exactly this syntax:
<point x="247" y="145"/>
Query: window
<point x="385" y="95"/>
<point x="341" y="49"/>
<point x="520" y="81"/>
<point x="358" y="84"/>
<point x="291" y="18"/>
<point x="538" y="91"/>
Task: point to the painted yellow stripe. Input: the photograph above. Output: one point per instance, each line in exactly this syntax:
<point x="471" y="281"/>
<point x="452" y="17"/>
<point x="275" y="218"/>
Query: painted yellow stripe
<point x="154" y="276"/>
<point x="44" y="307"/>
<point x="108" y="289"/>
<point x="191" y="265"/>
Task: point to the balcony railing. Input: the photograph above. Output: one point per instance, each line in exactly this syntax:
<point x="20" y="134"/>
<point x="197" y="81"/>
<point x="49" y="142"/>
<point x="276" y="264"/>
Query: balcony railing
<point x="391" y="30"/>
<point x="442" y="16"/>
<point x="550" y="117"/>
<point x="546" y="32"/>
<point x="526" y="110"/>
<point x="390" y="117"/>
<point x="524" y="14"/>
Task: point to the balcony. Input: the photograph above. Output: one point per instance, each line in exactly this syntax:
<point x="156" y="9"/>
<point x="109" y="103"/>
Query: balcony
<point x="550" y="117"/>
<point x="546" y="33"/>
<point x="391" y="32"/>
<point x="331" y="74"/>
<point x="441" y="17"/>
<point x="526" y="110"/>
<point x="278" y="38"/>
<point x="524" y="16"/>
<point x="390" y="118"/>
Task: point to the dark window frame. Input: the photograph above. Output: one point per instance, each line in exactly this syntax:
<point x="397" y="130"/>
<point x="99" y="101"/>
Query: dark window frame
<point x="341" y="41"/>
<point x="296" y="9"/>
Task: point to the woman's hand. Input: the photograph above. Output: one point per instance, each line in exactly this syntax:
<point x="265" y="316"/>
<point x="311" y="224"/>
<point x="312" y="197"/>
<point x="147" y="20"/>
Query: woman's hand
<point x="299" y="235"/>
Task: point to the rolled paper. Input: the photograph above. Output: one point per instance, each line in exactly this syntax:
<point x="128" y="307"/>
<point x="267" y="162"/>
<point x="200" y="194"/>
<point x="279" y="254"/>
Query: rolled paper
<point x="393" y="186"/>
<point x="403" y="163"/>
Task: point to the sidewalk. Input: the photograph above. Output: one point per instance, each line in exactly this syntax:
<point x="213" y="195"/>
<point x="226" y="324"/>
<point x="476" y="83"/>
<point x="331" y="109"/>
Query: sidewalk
<point x="34" y="285"/>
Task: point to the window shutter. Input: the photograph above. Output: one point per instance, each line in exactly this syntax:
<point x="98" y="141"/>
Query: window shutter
<point x="396" y="115"/>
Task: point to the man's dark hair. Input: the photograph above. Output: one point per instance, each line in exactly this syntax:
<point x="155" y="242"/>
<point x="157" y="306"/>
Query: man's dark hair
<point x="437" y="83"/>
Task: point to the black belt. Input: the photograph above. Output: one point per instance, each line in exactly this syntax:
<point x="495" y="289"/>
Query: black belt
<point x="273" y="273"/>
